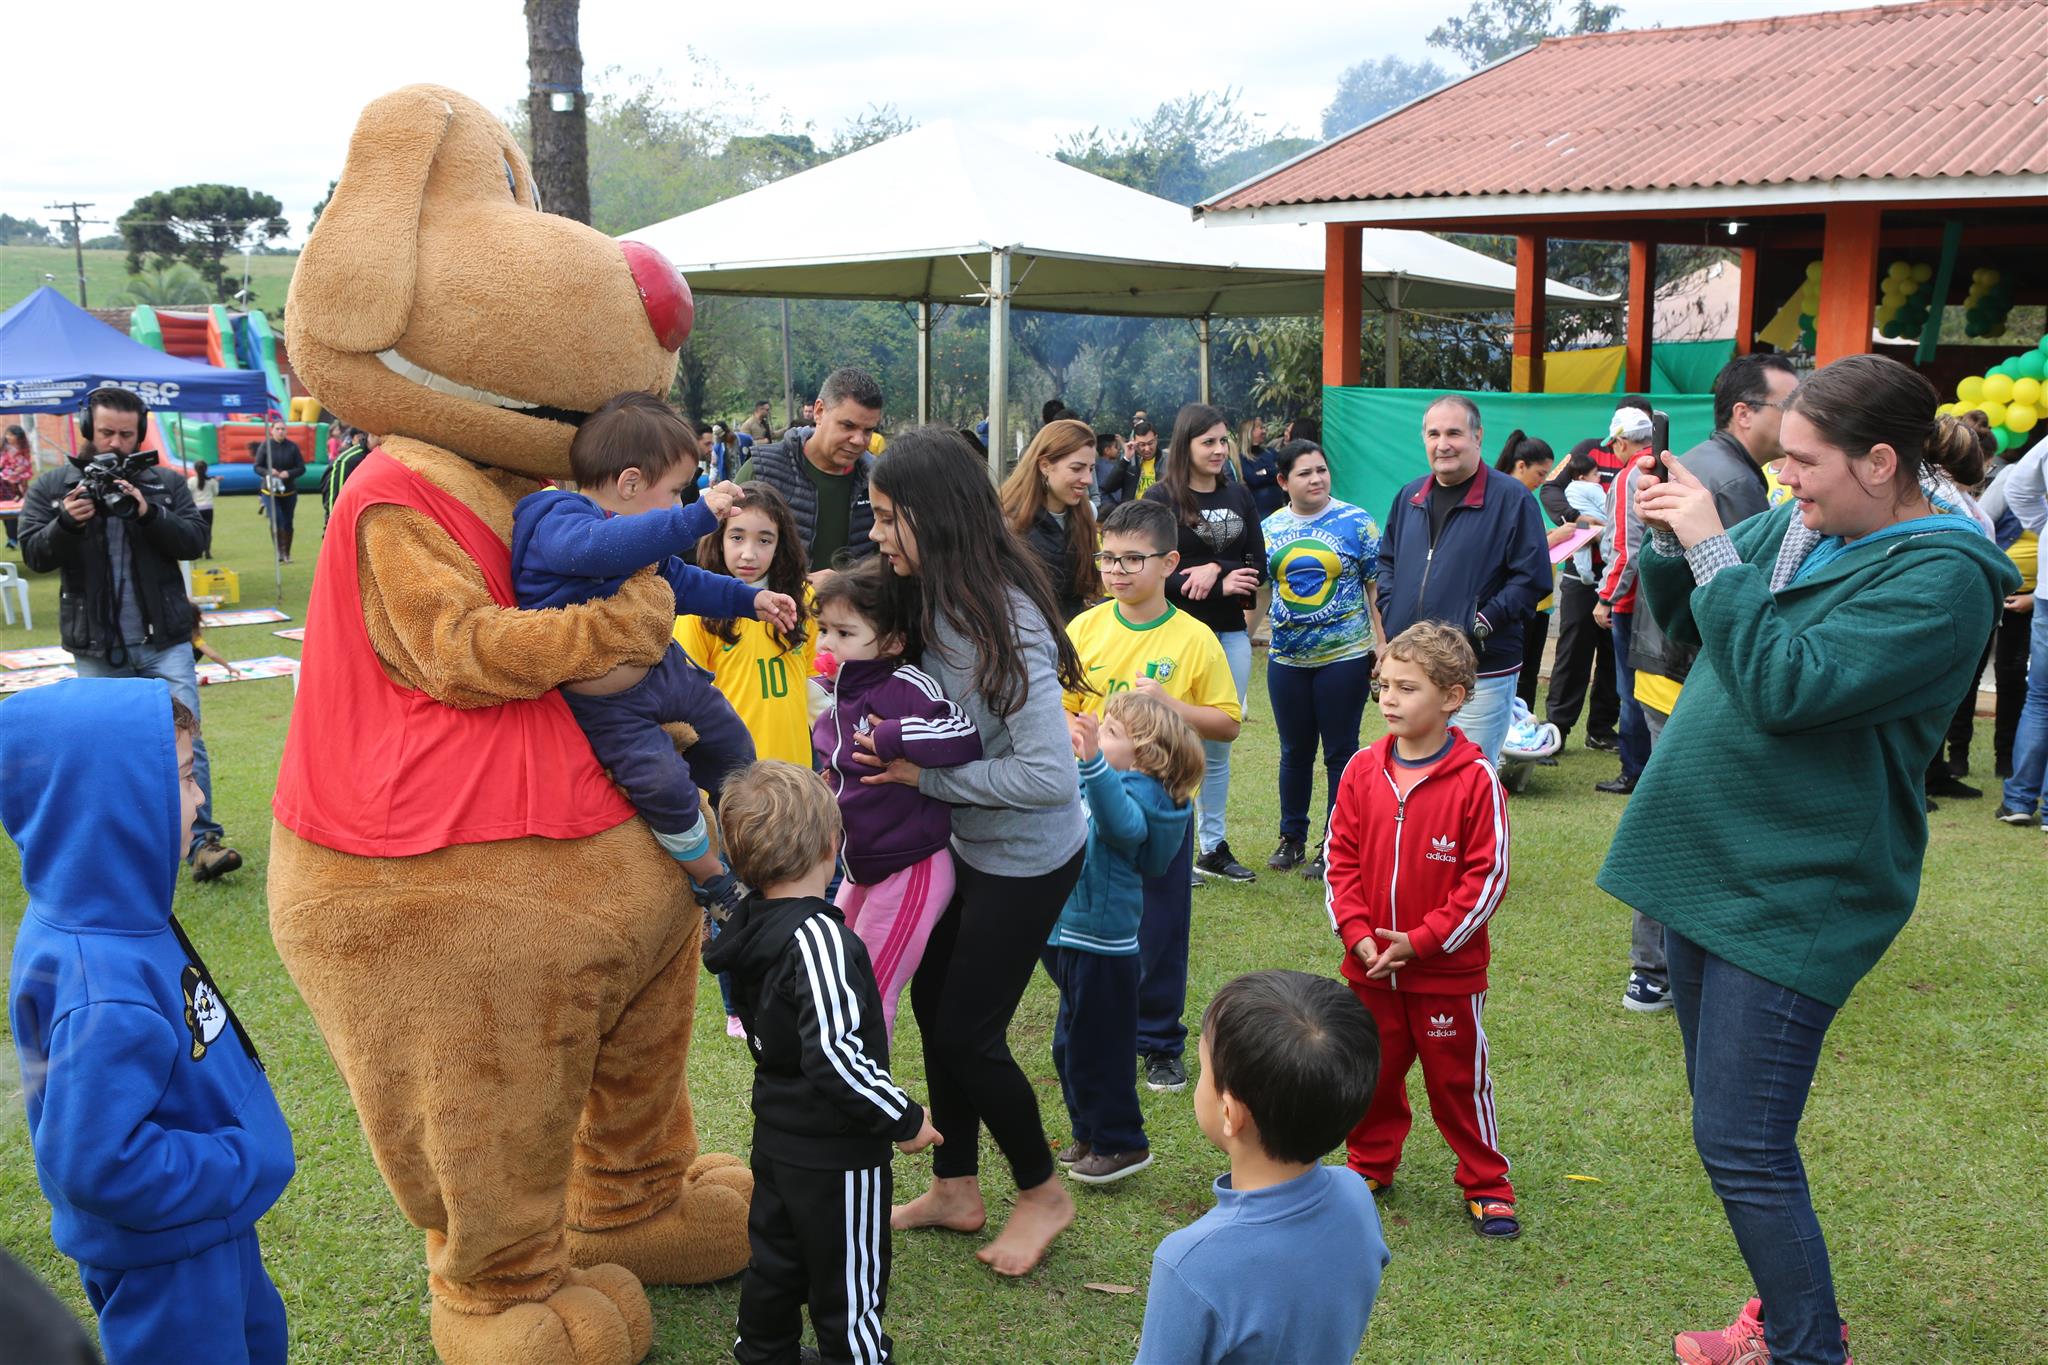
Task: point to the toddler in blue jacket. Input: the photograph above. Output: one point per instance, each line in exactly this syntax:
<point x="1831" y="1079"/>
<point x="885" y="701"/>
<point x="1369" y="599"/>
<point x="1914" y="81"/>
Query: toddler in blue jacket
<point x="631" y="459"/>
<point x="1140" y="766"/>
<point x="157" y="1140"/>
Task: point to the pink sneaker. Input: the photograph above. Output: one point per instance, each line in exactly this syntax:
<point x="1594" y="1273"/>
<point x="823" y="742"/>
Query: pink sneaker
<point x="734" y="1028"/>
<point x="1741" y="1342"/>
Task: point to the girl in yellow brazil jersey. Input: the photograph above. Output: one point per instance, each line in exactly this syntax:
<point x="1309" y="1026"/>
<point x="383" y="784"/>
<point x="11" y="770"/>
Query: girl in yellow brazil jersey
<point x="761" y="670"/>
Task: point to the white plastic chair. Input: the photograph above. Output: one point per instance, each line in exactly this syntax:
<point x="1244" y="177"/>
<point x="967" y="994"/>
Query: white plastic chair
<point x="12" y="581"/>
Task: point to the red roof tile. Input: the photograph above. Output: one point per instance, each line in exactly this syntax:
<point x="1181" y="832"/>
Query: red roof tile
<point x="1946" y="88"/>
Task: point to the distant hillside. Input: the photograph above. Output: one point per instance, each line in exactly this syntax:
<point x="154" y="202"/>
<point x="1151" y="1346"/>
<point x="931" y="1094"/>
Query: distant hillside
<point x="106" y="276"/>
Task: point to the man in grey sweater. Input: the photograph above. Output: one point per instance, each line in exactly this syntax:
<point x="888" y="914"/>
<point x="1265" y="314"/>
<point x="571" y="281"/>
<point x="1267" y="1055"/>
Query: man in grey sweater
<point x="1749" y="403"/>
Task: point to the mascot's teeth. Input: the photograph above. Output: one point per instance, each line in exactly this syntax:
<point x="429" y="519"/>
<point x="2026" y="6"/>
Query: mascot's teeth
<point x="426" y="378"/>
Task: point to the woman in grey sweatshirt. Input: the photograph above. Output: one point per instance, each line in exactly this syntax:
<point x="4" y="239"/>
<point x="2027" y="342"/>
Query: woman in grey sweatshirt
<point x="982" y="605"/>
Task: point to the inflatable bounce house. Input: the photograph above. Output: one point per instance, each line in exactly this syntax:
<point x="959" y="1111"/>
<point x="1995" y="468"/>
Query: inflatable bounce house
<point x="239" y="341"/>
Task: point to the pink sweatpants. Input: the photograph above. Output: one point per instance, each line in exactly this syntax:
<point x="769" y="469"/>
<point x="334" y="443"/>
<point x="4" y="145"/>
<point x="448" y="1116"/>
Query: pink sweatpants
<point x="894" y="917"/>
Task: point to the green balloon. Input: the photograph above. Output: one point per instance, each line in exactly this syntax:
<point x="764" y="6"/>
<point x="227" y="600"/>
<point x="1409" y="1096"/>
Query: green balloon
<point x="2031" y="365"/>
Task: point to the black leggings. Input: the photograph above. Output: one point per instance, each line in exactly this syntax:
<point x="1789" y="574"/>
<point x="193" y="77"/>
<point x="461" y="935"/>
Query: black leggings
<point x="978" y="962"/>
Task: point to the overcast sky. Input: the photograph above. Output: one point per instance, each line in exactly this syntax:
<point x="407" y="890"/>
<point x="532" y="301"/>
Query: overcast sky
<point x="288" y="79"/>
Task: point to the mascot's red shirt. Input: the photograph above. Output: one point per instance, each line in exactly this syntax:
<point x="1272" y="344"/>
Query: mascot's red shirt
<point x="381" y="770"/>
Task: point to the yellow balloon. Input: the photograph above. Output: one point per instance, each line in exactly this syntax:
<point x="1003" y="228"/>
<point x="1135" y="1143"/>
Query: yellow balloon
<point x="2021" y="417"/>
<point x="1813" y="271"/>
<point x="1970" y="390"/>
<point x="1899" y="270"/>
<point x="1994" y="412"/>
<point x="2027" y="391"/>
<point x="1998" y="389"/>
<point x="1923" y="272"/>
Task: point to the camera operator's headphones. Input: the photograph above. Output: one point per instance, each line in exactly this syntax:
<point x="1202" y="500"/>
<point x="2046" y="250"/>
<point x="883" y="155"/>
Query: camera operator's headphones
<point x="100" y="396"/>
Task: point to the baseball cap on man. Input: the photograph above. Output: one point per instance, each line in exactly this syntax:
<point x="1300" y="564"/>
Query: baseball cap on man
<point x="1631" y="424"/>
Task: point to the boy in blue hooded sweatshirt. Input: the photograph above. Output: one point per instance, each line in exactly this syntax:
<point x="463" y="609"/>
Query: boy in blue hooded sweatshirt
<point x="1140" y="766"/>
<point x="157" y="1140"/>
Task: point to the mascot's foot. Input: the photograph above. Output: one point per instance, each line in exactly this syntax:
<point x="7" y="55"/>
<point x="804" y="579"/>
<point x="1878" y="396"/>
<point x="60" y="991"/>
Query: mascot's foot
<point x="700" y="1238"/>
<point x="598" y="1317"/>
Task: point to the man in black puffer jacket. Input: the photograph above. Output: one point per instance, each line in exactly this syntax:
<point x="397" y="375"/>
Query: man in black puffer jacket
<point x="822" y="471"/>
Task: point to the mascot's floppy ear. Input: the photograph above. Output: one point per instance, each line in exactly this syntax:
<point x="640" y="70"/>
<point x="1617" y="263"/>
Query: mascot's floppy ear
<point x="353" y="289"/>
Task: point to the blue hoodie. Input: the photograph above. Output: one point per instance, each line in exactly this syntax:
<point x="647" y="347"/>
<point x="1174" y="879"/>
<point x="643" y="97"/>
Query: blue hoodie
<point x="156" y="1134"/>
<point x="1134" y="830"/>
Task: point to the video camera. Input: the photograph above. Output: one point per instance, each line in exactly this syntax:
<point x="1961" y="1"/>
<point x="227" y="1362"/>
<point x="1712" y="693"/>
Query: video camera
<point x="98" y="476"/>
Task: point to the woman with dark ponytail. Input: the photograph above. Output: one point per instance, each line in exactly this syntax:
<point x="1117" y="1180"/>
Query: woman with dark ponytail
<point x="1836" y="634"/>
<point x="1222" y="564"/>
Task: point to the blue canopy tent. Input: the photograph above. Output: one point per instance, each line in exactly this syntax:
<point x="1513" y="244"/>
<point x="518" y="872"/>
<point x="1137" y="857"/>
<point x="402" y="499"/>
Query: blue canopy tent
<point x="53" y="353"/>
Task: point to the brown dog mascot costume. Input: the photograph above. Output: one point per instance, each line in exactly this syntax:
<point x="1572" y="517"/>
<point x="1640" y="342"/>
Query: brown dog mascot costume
<point x="501" y="959"/>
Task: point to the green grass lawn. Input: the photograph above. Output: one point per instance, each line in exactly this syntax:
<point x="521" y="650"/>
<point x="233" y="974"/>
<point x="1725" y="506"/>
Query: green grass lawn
<point x="106" y="275"/>
<point x="1926" y="1133"/>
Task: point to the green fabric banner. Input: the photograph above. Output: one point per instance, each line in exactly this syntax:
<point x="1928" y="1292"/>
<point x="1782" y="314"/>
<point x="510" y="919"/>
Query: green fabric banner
<point x="1688" y="366"/>
<point x="1374" y="436"/>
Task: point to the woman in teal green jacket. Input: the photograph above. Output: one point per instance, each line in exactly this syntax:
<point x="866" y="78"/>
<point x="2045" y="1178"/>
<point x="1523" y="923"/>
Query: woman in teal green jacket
<point x="1837" y="633"/>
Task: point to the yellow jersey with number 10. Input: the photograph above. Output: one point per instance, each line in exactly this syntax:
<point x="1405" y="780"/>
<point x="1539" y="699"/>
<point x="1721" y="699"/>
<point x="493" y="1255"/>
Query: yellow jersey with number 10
<point x="764" y="682"/>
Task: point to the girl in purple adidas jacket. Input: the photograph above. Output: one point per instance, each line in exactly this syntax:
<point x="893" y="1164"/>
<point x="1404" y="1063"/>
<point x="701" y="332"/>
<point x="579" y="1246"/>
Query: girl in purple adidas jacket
<point x="899" y="873"/>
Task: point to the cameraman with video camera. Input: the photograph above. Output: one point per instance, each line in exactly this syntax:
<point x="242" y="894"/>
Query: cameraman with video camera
<point x="114" y="525"/>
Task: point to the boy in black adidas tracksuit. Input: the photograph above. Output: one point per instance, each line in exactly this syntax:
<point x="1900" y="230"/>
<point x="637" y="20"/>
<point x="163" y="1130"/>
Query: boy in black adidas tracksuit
<point x="825" y="1106"/>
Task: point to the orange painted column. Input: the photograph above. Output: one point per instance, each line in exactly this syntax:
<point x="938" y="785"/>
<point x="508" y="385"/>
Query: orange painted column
<point x="1532" y="263"/>
<point x="1642" y="291"/>
<point x="1745" y="300"/>
<point x="1343" y="308"/>
<point x="1848" y="281"/>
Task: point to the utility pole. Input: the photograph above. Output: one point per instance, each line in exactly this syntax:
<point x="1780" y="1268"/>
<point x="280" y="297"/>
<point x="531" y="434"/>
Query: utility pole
<point x="78" y="241"/>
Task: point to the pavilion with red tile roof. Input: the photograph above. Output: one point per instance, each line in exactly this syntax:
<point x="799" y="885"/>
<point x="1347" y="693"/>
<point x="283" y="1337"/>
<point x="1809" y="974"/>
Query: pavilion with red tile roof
<point x="1844" y="135"/>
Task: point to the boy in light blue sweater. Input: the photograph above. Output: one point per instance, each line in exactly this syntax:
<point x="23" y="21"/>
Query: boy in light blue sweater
<point x="1289" y="1064"/>
<point x="1140" y="766"/>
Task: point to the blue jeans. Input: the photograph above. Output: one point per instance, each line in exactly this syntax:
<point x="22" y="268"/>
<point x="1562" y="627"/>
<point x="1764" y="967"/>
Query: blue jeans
<point x="1310" y="706"/>
<point x="174" y="665"/>
<point x="1215" y="793"/>
<point x="1751" y="1047"/>
<point x="1486" y="714"/>
<point x="2024" y="789"/>
<point x="1635" y="731"/>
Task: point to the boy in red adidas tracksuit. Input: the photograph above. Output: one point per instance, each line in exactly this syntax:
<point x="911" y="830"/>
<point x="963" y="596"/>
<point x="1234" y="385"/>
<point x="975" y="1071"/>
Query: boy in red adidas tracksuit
<point x="1418" y="860"/>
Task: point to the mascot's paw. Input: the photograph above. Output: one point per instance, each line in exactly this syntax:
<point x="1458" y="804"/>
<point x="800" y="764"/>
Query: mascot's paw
<point x="681" y="734"/>
<point x="699" y="1238"/>
<point x="598" y="1317"/>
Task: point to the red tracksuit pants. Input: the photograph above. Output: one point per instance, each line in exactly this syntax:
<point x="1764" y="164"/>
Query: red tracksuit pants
<point x="1444" y="1032"/>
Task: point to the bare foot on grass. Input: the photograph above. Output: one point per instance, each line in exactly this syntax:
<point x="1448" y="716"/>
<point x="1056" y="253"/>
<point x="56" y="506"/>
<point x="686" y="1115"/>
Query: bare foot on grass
<point x="954" y="1204"/>
<point x="1043" y="1212"/>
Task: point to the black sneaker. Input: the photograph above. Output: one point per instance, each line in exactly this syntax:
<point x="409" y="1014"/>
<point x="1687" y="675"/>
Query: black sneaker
<point x="1603" y="744"/>
<point x="1218" y="862"/>
<point x="1290" y="854"/>
<point x="1316" y="869"/>
<point x="1165" y="1074"/>
<point x="1616" y="786"/>
<point x="2006" y="815"/>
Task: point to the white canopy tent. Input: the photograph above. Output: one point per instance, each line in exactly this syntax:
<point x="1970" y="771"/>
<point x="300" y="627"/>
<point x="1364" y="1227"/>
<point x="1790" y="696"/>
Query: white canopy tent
<point x="951" y="214"/>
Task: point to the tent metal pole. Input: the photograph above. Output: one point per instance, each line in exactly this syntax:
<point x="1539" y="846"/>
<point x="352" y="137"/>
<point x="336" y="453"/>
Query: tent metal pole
<point x="788" y="382"/>
<point x="1202" y="353"/>
<point x="1392" y="328"/>
<point x="998" y="359"/>
<point x="924" y="361"/>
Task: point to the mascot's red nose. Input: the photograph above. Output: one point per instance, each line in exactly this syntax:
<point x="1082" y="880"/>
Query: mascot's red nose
<point x="664" y="293"/>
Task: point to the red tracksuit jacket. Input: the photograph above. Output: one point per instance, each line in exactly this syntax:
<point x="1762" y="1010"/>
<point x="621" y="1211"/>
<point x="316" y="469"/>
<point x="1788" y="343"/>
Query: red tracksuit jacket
<point x="1433" y="865"/>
